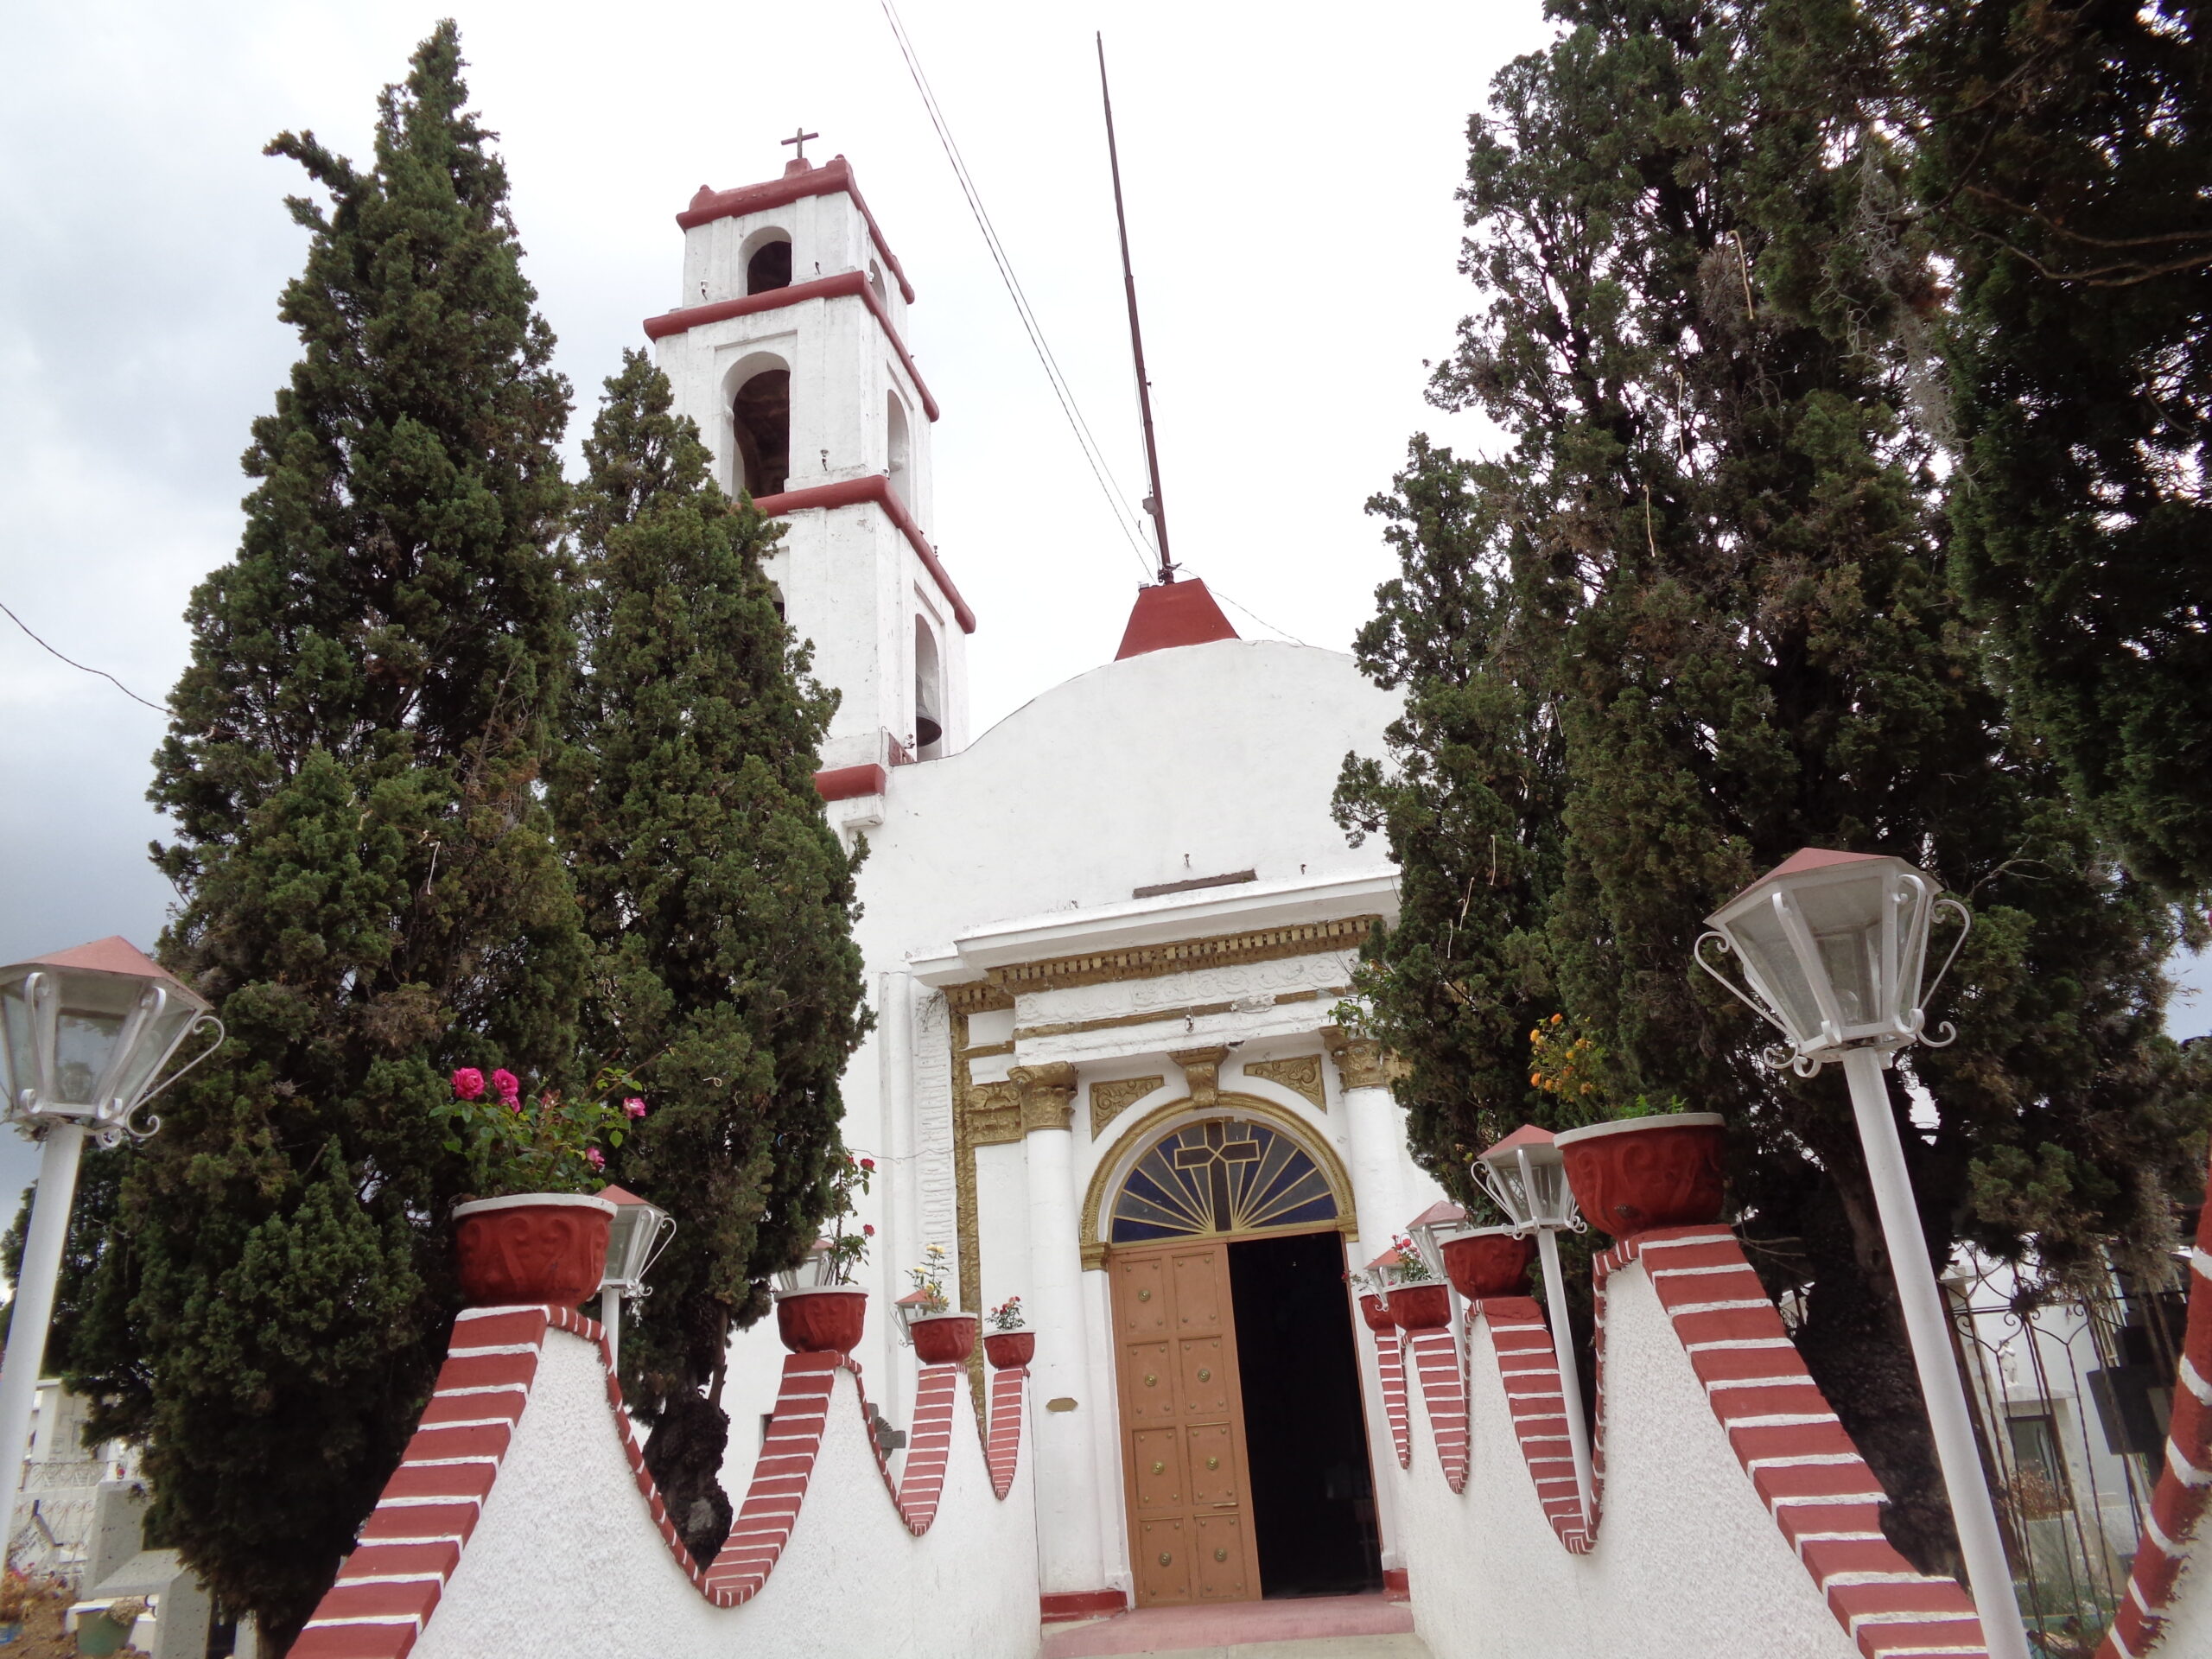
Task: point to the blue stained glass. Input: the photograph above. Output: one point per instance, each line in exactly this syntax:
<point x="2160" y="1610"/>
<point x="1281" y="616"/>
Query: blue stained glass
<point x="1221" y="1176"/>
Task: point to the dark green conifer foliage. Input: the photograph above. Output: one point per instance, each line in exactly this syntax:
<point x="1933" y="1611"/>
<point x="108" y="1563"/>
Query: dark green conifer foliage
<point x="2064" y="151"/>
<point x="370" y="890"/>
<point x="1695" y="616"/>
<point x="720" y="903"/>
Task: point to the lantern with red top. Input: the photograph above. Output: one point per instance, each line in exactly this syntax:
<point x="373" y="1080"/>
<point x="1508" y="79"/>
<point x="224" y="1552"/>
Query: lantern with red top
<point x="84" y="1034"/>
<point x="639" y="1233"/>
<point x="1834" y="946"/>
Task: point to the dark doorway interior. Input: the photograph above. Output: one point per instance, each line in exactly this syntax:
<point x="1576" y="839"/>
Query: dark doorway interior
<point x="1304" y="1435"/>
<point x="761" y="416"/>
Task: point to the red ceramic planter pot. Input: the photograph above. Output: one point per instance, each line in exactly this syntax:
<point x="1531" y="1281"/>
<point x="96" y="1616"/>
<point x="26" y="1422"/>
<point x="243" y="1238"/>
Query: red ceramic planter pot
<point x="1008" y="1349"/>
<point x="944" y="1338"/>
<point x="1490" y="1262"/>
<point x="533" y="1247"/>
<point x="1421" y="1307"/>
<point x="1645" y="1172"/>
<point x="821" y="1319"/>
<point x="1372" y="1309"/>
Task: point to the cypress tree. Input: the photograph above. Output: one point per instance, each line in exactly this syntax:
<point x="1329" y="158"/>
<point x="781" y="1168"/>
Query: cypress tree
<point x="1713" y="623"/>
<point x="720" y="906"/>
<point x="2062" y="158"/>
<point x="369" y="889"/>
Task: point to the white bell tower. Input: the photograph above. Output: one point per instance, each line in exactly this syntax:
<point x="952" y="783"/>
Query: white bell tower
<point x="786" y="348"/>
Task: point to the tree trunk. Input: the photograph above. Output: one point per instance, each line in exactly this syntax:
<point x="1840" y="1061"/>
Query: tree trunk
<point x="685" y="1456"/>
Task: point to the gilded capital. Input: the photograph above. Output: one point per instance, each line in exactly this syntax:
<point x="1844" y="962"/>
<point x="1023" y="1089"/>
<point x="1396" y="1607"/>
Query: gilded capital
<point x="1047" y="1096"/>
<point x="1202" y="1071"/>
<point x="1360" y="1062"/>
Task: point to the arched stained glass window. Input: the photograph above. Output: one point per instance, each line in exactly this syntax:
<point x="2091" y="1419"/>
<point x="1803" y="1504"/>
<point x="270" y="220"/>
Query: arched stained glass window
<point x="1221" y="1177"/>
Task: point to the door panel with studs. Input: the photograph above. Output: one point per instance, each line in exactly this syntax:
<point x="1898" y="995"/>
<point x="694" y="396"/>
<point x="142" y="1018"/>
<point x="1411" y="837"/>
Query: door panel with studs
<point x="1182" y="1425"/>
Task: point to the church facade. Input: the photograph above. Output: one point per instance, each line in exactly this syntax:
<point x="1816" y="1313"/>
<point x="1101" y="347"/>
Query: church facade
<point x="1106" y="941"/>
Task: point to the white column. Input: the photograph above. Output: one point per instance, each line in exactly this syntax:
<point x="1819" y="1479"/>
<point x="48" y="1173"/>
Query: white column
<point x="1377" y="1142"/>
<point x="899" y="1176"/>
<point x="1069" y="1556"/>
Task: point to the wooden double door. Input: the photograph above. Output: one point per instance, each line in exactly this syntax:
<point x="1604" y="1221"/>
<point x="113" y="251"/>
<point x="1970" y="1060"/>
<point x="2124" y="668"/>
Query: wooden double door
<point x="1188" y="1480"/>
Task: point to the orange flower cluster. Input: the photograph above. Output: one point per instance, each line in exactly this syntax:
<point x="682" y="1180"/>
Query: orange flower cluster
<point x="1562" y="1063"/>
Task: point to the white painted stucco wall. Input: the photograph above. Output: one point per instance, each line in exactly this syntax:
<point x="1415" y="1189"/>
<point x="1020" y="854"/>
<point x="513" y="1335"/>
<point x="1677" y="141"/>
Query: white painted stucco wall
<point x="1688" y="1563"/>
<point x="566" y="1557"/>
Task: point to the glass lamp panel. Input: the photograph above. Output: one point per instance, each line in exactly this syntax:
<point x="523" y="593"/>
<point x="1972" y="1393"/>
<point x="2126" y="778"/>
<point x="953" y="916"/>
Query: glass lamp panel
<point x="1503" y="1180"/>
<point x="1844" y="911"/>
<point x="18" y="1048"/>
<point x="157" y="1039"/>
<point x="1770" y="962"/>
<point x="1550" y="1204"/>
<point x="1915" y="903"/>
<point x="87" y="1033"/>
<point x="623" y="1237"/>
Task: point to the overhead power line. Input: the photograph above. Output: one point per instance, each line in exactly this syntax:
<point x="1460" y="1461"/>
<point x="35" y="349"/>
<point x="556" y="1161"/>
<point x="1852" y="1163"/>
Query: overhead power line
<point x="1124" y="515"/>
<point x="82" y="667"/>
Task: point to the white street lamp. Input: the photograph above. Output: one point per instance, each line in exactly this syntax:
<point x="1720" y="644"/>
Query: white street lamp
<point x="1526" y="1175"/>
<point x="83" y="1035"/>
<point x="639" y="1233"/>
<point x="1833" y="945"/>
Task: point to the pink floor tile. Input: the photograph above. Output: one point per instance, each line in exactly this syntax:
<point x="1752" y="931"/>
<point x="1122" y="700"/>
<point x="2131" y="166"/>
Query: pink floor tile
<point x="1157" y="1629"/>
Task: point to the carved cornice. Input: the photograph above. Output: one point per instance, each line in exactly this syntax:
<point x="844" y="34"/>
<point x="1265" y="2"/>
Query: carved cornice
<point x="976" y="997"/>
<point x="1202" y="1071"/>
<point x="1047" y="1095"/>
<point x="1300" y="1074"/>
<point x="1181" y="956"/>
<point x="1359" y="1060"/>
<point x="1109" y="1100"/>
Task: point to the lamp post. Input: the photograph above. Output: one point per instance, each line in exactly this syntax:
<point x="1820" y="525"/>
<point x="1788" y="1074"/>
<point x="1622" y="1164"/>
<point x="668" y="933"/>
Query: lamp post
<point x="1833" y="945"/>
<point x="1526" y="1175"/>
<point x="83" y="1035"/>
<point x="639" y="1233"/>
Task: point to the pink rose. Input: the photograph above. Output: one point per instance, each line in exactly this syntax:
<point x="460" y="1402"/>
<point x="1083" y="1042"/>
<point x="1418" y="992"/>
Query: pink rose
<point x="867" y="1163"/>
<point x="866" y="1231"/>
<point x="508" y="1087"/>
<point x="634" y="1107"/>
<point x="467" y="1083"/>
<point x="595" y="1157"/>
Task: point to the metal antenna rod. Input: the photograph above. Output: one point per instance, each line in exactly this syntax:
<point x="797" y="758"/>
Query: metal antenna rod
<point x="1155" y="504"/>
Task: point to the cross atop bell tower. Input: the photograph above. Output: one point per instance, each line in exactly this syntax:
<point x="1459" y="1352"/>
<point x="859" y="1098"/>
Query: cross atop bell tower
<point x="787" y="346"/>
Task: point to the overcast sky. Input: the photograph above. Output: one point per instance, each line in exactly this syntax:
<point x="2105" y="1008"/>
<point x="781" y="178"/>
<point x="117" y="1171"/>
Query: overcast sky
<point x="1290" y="174"/>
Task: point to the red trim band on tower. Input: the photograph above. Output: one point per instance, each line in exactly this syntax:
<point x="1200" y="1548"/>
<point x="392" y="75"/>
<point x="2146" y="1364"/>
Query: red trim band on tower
<point x="850" y="783"/>
<point x="833" y="175"/>
<point x="820" y="288"/>
<point x="874" y="486"/>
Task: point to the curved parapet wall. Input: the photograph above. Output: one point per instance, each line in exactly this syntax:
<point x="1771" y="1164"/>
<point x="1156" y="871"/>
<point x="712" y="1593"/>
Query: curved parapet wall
<point x="523" y="1519"/>
<point x="2168" y="1606"/>
<point x="1739" y="1521"/>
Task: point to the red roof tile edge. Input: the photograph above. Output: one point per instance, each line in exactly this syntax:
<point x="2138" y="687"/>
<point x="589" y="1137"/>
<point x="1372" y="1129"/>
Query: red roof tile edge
<point x="387" y="1589"/>
<point x="2175" y="1527"/>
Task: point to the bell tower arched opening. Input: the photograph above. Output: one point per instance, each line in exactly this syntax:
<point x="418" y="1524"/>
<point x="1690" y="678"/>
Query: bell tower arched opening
<point x="897" y="445"/>
<point x="761" y="416"/>
<point x="929" y="693"/>
<point x="768" y="264"/>
<point x="1243" y="1440"/>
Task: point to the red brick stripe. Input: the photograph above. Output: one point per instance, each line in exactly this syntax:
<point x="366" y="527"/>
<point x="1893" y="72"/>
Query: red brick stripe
<point x="2173" y="1530"/>
<point x="1444" y="1391"/>
<point x="1529" y="1371"/>
<point x="1390" y="1361"/>
<point x="1805" y="1469"/>
<point x="388" y="1588"/>
<point x="1003" y="1444"/>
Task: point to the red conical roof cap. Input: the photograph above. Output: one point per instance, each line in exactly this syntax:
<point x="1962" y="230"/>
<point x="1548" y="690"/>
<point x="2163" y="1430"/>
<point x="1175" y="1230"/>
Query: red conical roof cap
<point x="1816" y="858"/>
<point x="112" y="954"/>
<point x="1174" y="613"/>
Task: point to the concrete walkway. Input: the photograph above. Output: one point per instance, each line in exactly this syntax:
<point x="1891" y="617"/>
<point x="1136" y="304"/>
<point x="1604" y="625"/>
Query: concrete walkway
<point x="1320" y="1627"/>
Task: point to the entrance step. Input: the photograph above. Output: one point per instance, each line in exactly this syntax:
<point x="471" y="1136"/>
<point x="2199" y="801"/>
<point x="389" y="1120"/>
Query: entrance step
<point x="1317" y="1627"/>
